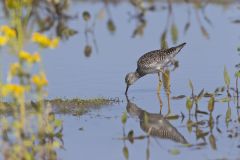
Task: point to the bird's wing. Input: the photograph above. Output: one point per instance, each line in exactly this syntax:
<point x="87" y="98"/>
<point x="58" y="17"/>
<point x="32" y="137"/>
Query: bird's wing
<point x="149" y="59"/>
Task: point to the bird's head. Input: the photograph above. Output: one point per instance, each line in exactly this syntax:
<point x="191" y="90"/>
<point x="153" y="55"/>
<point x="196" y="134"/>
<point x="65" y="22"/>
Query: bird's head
<point x="130" y="79"/>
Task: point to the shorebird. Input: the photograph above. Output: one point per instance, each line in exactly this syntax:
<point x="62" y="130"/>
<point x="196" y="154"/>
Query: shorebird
<point x="152" y="62"/>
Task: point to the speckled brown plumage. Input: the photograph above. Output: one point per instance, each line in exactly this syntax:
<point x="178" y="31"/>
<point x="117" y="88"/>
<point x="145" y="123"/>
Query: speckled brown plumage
<point x="153" y="61"/>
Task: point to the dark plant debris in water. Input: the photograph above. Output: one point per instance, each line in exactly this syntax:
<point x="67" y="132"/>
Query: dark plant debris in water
<point x="84" y="103"/>
<point x="75" y="106"/>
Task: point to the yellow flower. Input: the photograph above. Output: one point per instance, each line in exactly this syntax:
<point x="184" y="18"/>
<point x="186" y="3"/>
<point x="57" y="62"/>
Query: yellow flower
<point x="15" y="68"/>
<point x="44" y="41"/>
<point x="16" y="90"/>
<point x="25" y="56"/>
<point x="35" y="58"/>
<point x="7" y="31"/>
<point x="41" y="39"/>
<point x="54" y="43"/>
<point x="30" y="58"/>
<point x="40" y="80"/>
<point x="3" y="40"/>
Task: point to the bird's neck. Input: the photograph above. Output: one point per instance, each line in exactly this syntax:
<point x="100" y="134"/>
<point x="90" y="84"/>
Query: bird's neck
<point x="139" y="74"/>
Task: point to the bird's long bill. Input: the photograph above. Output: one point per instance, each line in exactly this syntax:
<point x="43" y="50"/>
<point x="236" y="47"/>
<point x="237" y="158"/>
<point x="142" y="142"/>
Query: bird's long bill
<point x="126" y="89"/>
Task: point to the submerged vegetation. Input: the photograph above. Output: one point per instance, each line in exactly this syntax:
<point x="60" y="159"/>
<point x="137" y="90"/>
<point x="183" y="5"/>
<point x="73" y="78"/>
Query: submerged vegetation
<point x="78" y="106"/>
<point x="83" y="103"/>
<point x="75" y="106"/>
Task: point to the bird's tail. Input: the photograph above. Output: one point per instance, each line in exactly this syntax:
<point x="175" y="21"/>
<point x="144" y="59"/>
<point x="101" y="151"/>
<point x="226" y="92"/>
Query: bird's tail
<point x="178" y="48"/>
<point x="175" y="50"/>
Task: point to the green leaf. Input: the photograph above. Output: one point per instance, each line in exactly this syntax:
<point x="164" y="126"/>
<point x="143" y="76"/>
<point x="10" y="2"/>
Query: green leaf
<point x="174" y="33"/>
<point x="56" y="144"/>
<point x="212" y="141"/>
<point x="111" y="26"/>
<point x="191" y="85"/>
<point x="201" y="134"/>
<point x="237" y="74"/>
<point x="125" y="152"/>
<point x="58" y="123"/>
<point x="211" y="122"/>
<point x="204" y="32"/>
<point x="219" y="89"/>
<point x="207" y="19"/>
<point x="174" y="151"/>
<point x="211" y="104"/>
<point x="201" y="112"/>
<point x="226" y="76"/>
<point x="124" y="118"/>
<point x="189" y="104"/>
<point x="86" y="15"/>
<point x="131" y="136"/>
<point x="189" y="125"/>
<point x="206" y="94"/>
<point x="164" y="44"/>
<point x="88" y="51"/>
<point x="228" y="114"/>
<point x="139" y="30"/>
<point x="186" y="27"/>
<point x="178" y="97"/>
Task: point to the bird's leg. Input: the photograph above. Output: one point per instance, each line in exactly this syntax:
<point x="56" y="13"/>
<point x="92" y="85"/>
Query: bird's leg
<point x="169" y="107"/>
<point x="160" y="101"/>
<point x="161" y="70"/>
<point x="167" y="91"/>
<point x="159" y="84"/>
<point x="149" y="131"/>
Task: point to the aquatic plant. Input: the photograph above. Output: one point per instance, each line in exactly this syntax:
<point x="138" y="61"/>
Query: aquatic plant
<point x="26" y="135"/>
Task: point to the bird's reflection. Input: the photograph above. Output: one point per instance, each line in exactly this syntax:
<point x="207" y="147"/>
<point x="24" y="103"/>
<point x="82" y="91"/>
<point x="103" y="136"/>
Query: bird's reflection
<point x="155" y="125"/>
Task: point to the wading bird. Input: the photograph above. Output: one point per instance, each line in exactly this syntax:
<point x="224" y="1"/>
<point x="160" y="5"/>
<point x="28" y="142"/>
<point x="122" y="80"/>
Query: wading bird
<point x="152" y="62"/>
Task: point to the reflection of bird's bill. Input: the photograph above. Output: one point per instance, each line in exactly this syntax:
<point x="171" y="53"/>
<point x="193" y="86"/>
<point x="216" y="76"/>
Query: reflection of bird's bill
<point x="126" y="89"/>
